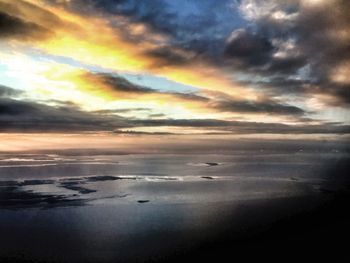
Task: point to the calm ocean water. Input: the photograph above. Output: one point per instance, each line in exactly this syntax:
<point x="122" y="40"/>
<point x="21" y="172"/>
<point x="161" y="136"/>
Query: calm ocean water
<point x="114" y="208"/>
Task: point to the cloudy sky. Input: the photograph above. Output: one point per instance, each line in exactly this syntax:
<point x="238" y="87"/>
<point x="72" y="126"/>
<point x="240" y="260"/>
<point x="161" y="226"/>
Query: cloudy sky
<point x="175" y="67"/>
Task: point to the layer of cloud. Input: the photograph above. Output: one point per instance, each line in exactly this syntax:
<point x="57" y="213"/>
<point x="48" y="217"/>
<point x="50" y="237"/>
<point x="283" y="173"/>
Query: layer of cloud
<point x="6" y="92"/>
<point x="270" y="107"/>
<point x="285" y="60"/>
<point x="239" y="127"/>
<point x="13" y="27"/>
<point x="247" y="48"/>
<point x="291" y="39"/>
<point x="307" y="41"/>
<point x="125" y="88"/>
<point x="24" y="116"/>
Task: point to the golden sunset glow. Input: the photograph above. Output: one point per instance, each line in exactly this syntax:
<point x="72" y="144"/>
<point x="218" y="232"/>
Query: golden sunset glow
<point x="111" y="63"/>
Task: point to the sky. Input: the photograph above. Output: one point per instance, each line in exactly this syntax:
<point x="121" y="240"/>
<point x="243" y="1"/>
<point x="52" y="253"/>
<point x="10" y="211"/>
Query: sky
<point x="163" y="67"/>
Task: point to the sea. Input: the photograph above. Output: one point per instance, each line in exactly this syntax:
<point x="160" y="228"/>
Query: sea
<point x="105" y="207"/>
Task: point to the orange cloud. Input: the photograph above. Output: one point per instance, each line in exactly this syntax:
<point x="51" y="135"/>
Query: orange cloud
<point x="91" y="40"/>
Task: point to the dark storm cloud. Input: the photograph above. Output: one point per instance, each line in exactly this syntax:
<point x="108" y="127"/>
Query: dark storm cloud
<point x="16" y="115"/>
<point x="248" y="48"/>
<point x="241" y="127"/>
<point x="121" y="84"/>
<point x="168" y="56"/>
<point x="13" y="27"/>
<point x="257" y="107"/>
<point x="310" y="41"/>
<point x="254" y="52"/>
<point x="286" y="66"/>
<point x="342" y="93"/>
<point x="8" y="92"/>
<point x="280" y="85"/>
